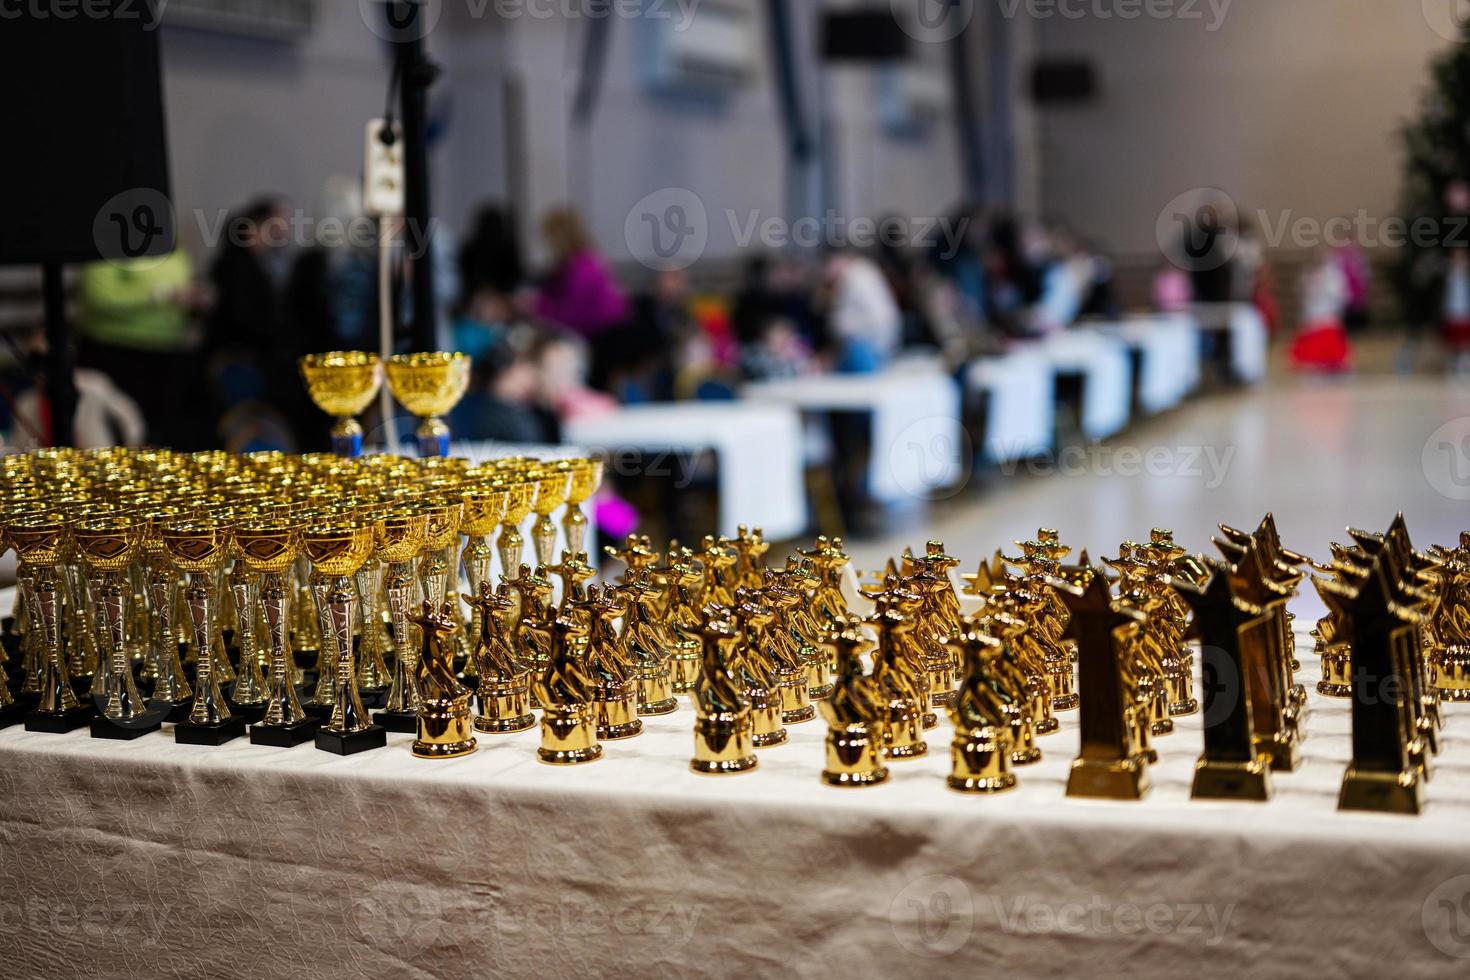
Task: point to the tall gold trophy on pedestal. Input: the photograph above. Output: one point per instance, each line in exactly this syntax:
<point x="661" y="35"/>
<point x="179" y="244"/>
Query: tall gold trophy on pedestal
<point x="342" y="384"/>
<point x="269" y="547"/>
<point x="199" y="547"/>
<point x="38" y="539"/>
<point x="552" y="487"/>
<point x="109" y="543"/>
<point x="586" y="478"/>
<point x="337" y="547"/>
<point x="429" y="384"/>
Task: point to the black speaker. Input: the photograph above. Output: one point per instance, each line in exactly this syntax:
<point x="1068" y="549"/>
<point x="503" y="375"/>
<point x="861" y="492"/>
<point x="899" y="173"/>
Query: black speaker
<point x="84" y="173"/>
<point x="1063" y="81"/>
<point x="865" y="34"/>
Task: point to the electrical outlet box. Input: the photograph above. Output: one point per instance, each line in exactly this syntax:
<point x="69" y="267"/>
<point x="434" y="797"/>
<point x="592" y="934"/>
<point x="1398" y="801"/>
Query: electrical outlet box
<point x="382" y="191"/>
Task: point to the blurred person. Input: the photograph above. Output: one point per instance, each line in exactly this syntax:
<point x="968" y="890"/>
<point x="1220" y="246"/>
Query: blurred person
<point x="863" y="319"/>
<point x="779" y="351"/>
<point x="332" y="292"/>
<point x="1353" y="262"/>
<point x="1455" y="308"/>
<point x="580" y="292"/>
<point x="501" y="403"/>
<point x="775" y="286"/>
<point x="483" y="322"/>
<point x="1173" y="289"/>
<point x="490" y="255"/>
<point x="1321" y="343"/>
<point x="105" y="415"/>
<point x="133" y="326"/>
<point x="561" y="373"/>
<point x="1066" y="280"/>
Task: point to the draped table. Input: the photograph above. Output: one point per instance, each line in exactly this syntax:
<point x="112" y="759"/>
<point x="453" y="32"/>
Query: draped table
<point x="758" y="454"/>
<point x="150" y="858"/>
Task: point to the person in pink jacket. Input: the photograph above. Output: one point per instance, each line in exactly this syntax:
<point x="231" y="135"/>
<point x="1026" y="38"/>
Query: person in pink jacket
<point x="580" y="292"/>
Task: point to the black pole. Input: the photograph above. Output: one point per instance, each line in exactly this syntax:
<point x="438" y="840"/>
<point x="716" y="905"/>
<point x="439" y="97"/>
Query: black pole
<point x="61" y="382"/>
<point x="966" y="119"/>
<point x="416" y="73"/>
<point x="800" y="143"/>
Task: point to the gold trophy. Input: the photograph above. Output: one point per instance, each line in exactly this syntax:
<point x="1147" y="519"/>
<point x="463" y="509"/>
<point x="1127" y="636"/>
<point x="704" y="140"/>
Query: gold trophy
<point x="162" y="581"/>
<point x="485" y="506"/>
<point x="444" y="718"/>
<point x="901" y="685"/>
<point x="568" y="726"/>
<point x="39" y="540"/>
<point x="552" y="486"/>
<point x="855" y="713"/>
<point x="754" y="669"/>
<point x="429" y="385"/>
<point x="199" y="548"/>
<point x="1111" y="764"/>
<point x="336" y="548"/>
<point x="269" y="547"/>
<point x="504" y="688"/>
<point x="648" y="646"/>
<point x="614" y="680"/>
<point x="518" y="504"/>
<point x="980" y="755"/>
<point x="398" y="539"/>
<point x="723" y="729"/>
<point x="109" y="542"/>
<point x="586" y="478"/>
<point x="342" y="384"/>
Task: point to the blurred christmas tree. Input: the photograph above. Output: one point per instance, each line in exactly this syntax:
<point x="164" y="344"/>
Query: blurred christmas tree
<point x="1436" y="195"/>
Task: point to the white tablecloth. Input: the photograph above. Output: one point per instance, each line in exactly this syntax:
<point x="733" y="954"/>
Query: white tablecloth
<point x="1020" y="417"/>
<point x="917" y="443"/>
<point x="1247" y="335"/>
<point x="1107" y="376"/>
<point x="1169" y="355"/>
<point x="758" y="451"/>
<point x="154" y="859"/>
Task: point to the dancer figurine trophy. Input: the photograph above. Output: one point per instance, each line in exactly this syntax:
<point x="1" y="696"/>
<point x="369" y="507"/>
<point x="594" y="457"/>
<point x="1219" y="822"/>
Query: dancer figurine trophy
<point x="444" y="719"/>
<point x="342" y="384"/>
<point x="430" y="384"/>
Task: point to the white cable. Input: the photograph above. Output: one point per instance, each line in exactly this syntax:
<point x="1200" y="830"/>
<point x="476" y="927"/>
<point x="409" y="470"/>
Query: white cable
<point x="385" y="327"/>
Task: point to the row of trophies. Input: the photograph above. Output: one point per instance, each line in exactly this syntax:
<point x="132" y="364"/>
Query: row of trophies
<point x="358" y="561"/>
<point x="322" y="560"/>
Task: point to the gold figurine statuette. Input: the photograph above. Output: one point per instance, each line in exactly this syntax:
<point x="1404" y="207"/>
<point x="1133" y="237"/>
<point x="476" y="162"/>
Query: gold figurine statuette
<point x="444" y="729"/>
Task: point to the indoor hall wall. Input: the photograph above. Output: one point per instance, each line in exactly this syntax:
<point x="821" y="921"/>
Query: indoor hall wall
<point x="1288" y="106"/>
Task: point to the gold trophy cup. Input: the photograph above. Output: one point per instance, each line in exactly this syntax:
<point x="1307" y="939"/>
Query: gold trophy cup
<point x="429" y="384"/>
<point x="337" y="546"/>
<point x="109" y="542"/>
<point x="342" y="384"/>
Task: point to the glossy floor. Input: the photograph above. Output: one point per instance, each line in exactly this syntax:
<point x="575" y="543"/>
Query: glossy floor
<point x="1321" y="454"/>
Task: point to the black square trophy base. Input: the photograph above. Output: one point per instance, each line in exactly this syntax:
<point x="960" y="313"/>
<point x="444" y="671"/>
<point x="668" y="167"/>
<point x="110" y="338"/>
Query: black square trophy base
<point x="322" y="711"/>
<point x="102" y="728"/>
<point x="177" y="710"/>
<point x="398" y="721"/>
<point x="374" y="699"/>
<point x="60" y="724"/>
<point x="285" y="736"/>
<point x="250" y="712"/>
<point x="372" y="737"/>
<point x="189" y="734"/>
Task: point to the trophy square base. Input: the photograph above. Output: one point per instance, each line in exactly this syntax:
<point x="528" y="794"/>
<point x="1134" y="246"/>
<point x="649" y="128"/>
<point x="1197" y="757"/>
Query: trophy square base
<point x="102" y="728"/>
<point x="285" y="736"/>
<point x="350" y="743"/>
<point x="322" y="711"/>
<point x="59" y="723"/>
<point x="250" y="712"/>
<point x="397" y="721"/>
<point x="14" y="714"/>
<point x="177" y="710"/>
<point x="1122" y="779"/>
<point x="373" y="699"/>
<point x="231" y="728"/>
<point x="1382" y="792"/>
<point x="1215" y="780"/>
